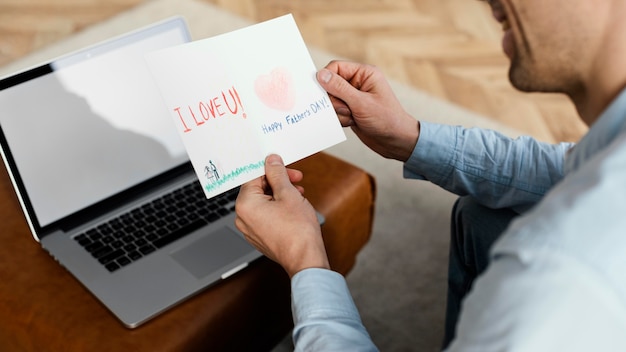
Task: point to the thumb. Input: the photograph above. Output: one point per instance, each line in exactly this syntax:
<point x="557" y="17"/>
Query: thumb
<point x="337" y="86"/>
<point x="276" y="175"/>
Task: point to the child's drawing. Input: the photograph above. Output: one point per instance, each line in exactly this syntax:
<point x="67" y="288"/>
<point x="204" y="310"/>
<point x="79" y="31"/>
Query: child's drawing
<point x="211" y="172"/>
<point x="277" y="89"/>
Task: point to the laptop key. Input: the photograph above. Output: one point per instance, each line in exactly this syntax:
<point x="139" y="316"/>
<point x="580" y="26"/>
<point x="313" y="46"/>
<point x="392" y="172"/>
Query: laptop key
<point x="212" y="217"/>
<point x="111" y="256"/>
<point x="147" y="249"/>
<point x="83" y="240"/>
<point x="130" y="247"/>
<point x="102" y="251"/>
<point x="123" y="261"/>
<point x="134" y="255"/>
<point x="112" y="266"/>
<point x="93" y="247"/>
<point x="181" y="232"/>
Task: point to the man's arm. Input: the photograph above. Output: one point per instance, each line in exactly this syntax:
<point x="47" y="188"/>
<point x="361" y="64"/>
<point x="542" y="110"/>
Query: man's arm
<point x="324" y="313"/>
<point x="494" y="169"/>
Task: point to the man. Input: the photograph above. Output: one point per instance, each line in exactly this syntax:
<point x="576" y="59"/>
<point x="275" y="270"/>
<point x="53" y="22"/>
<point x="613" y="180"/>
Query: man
<point x="555" y="279"/>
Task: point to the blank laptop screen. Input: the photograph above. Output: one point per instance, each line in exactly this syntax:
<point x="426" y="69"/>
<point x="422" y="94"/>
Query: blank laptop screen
<point x="92" y="126"/>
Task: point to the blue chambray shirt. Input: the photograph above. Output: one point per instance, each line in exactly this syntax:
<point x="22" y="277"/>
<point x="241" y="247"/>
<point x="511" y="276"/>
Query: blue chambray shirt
<point x="557" y="279"/>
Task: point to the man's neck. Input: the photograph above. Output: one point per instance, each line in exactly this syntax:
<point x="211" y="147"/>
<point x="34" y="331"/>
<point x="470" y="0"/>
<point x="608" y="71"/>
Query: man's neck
<point x="590" y="105"/>
<point x="606" y="77"/>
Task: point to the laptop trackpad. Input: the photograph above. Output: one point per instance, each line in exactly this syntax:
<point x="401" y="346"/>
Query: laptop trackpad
<point x="206" y="255"/>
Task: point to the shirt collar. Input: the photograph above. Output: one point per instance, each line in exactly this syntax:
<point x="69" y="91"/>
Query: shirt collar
<point x="610" y="124"/>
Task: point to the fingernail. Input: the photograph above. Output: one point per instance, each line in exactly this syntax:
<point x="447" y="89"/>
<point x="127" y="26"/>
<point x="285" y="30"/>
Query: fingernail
<point x="343" y="111"/>
<point x="274" y="160"/>
<point x="325" y="75"/>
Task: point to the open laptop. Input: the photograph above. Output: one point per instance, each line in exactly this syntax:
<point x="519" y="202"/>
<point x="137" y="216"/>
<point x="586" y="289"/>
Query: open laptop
<point x="105" y="182"/>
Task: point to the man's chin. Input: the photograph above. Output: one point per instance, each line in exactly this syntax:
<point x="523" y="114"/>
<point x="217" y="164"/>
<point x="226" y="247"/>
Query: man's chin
<point x="521" y="78"/>
<point x="527" y="82"/>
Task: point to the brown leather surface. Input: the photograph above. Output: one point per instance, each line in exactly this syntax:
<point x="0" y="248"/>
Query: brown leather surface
<point x="43" y="308"/>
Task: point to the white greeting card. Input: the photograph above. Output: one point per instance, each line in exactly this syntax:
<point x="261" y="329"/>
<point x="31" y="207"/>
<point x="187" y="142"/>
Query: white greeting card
<point x="239" y="96"/>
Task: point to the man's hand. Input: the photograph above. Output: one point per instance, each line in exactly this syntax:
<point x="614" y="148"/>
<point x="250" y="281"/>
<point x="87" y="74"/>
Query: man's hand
<point x="275" y="218"/>
<point x="364" y="101"/>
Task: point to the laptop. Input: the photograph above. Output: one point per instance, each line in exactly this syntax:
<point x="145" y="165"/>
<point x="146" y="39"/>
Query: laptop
<point x="104" y="180"/>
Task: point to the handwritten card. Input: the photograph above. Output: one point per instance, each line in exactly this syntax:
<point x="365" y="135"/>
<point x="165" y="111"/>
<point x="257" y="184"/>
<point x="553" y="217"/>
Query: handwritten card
<point x="239" y="96"/>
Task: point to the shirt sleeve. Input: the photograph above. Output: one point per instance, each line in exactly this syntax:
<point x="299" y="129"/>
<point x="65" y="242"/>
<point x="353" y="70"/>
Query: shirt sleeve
<point x="496" y="170"/>
<point x="325" y="316"/>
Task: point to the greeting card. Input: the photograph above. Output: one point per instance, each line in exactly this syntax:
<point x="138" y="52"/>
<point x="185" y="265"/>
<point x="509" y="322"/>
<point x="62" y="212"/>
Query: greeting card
<point x="239" y="96"/>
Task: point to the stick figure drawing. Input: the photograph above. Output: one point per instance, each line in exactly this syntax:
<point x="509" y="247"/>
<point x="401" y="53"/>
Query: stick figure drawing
<point x="211" y="172"/>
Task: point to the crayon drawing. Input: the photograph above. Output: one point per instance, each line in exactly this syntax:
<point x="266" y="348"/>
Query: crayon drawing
<point x="276" y="90"/>
<point x="212" y="172"/>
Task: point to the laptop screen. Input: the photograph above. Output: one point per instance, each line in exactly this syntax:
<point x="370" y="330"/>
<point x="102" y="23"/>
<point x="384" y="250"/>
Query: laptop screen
<point x="90" y="125"/>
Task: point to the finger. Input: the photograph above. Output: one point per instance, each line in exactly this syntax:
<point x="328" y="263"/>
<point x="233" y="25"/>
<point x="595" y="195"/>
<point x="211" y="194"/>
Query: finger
<point x="343" y="111"/>
<point x="338" y="86"/>
<point x="295" y="176"/>
<point x="340" y="106"/>
<point x="241" y="225"/>
<point x="254" y="186"/>
<point x="346" y="69"/>
<point x="346" y="121"/>
<point x="276" y="175"/>
<point x="248" y="195"/>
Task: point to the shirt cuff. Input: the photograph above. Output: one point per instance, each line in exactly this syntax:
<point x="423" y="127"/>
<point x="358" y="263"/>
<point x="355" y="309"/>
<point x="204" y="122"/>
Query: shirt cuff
<point x="321" y="293"/>
<point x="432" y="156"/>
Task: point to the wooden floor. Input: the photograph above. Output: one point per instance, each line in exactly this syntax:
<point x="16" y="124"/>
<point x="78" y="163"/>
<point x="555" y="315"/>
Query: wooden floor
<point x="448" y="48"/>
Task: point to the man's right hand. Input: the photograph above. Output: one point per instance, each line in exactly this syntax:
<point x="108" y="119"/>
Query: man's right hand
<point x="277" y="220"/>
<point x="365" y="102"/>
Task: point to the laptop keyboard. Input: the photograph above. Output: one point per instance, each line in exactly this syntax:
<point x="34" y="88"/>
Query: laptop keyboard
<point x="139" y="232"/>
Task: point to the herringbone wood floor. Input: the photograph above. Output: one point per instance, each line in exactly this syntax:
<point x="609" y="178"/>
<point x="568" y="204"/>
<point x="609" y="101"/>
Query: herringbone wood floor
<point x="448" y="48"/>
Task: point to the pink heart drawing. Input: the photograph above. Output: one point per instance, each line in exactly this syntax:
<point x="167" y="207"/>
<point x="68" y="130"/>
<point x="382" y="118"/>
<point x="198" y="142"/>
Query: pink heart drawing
<point x="276" y="90"/>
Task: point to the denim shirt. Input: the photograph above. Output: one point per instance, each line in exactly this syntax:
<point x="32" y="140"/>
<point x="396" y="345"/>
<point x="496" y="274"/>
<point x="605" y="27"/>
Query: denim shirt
<point x="557" y="278"/>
